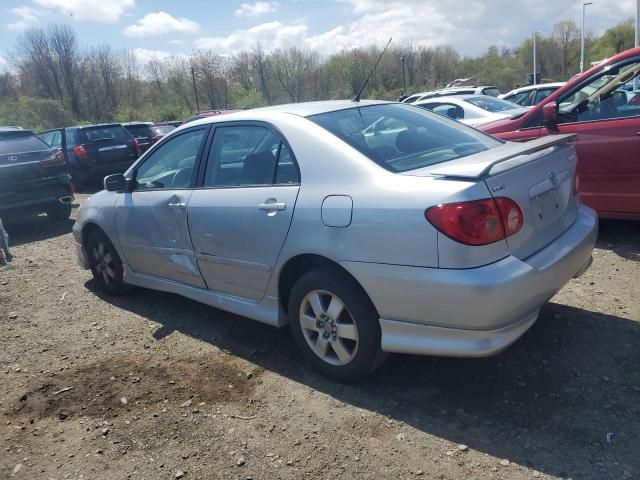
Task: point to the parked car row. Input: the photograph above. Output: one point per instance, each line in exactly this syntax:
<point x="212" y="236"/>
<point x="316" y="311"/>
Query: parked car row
<point x="93" y="151"/>
<point x="473" y="110"/>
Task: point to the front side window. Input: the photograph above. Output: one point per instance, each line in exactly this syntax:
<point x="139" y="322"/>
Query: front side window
<point x="601" y="98"/>
<point x="247" y="155"/>
<point x="420" y="138"/>
<point x="171" y="165"/>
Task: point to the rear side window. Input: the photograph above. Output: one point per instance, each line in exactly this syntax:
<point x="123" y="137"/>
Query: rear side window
<point x="249" y="155"/>
<point x="20" y="142"/>
<point x="521" y="98"/>
<point x="492" y="92"/>
<point x="112" y="132"/>
<point x="140" y="131"/>
<point x="419" y="139"/>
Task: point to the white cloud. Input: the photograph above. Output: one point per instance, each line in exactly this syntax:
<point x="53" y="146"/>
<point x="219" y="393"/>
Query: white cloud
<point x="158" y="23"/>
<point x="256" y="9"/>
<point x="4" y="64"/>
<point x="103" y="11"/>
<point x="470" y="26"/>
<point x="175" y="42"/>
<point x="145" y="55"/>
<point x="270" y="36"/>
<point x="27" y="16"/>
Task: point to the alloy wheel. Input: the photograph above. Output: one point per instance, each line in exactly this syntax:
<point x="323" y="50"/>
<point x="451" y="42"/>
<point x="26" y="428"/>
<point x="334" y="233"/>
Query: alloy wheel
<point x="104" y="263"/>
<point x="328" y="327"/>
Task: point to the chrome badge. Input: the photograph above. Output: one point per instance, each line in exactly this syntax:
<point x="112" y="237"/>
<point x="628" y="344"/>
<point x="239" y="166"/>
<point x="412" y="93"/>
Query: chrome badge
<point x="12" y="158"/>
<point x="553" y="178"/>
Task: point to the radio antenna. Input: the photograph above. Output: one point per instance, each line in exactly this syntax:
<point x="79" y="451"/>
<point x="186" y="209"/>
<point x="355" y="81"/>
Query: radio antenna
<point x="356" y="97"/>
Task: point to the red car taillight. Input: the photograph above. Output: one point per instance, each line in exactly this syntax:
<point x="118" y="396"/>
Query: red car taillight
<point x="80" y="152"/>
<point x="137" y="145"/>
<point x="54" y="160"/>
<point x="478" y="222"/>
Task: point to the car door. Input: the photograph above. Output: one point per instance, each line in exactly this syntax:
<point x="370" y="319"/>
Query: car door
<point x="608" y="140"/>
<point x="240" y="217"/>
<point x="151" y="219"/>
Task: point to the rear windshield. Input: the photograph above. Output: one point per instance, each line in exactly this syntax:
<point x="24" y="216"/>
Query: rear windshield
<point x="140" y="131"/>
<point x="401" y="137"/>
<point x="20" y="142"/>
<point x="491" y="91"/>
<point x="113" y="132"/>
<point x="491" y="104"/>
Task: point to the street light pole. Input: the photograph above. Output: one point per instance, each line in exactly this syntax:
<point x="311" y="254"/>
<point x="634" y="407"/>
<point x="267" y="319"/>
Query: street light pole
<point x="584" y="6"/>
<point x="195" y="90"/>
<point x="535" y="76"/>
<point x="404" y="81"/>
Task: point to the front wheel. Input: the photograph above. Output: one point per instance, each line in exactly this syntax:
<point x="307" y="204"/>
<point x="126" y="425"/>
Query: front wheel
<point x="335" y="325"/>
<point x="105" y="264"/>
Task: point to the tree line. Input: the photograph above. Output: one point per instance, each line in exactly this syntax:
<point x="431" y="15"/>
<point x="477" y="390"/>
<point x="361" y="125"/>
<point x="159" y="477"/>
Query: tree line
<point x="55" y="81"/>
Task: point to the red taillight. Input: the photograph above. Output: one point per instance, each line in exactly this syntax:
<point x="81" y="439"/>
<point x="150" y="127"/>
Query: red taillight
<point x="137" y="145"/>
<point x="576" y="185"/>
<point x="478" y="222"/>
<point x="55" y="160"/>
<point x="155" y="138"/>
<point x="80" y="152"/>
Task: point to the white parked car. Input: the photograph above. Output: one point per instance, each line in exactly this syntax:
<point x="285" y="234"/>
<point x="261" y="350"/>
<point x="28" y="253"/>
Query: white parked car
<point x="472" y="110"/>
<point x="484" y="90"/>
<point x="531" y="94"/>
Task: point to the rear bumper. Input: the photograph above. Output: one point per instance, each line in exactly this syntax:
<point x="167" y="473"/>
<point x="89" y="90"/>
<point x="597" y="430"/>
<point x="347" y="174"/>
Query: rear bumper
<point x="478" y="311"/>
<point x="36" y="196"/>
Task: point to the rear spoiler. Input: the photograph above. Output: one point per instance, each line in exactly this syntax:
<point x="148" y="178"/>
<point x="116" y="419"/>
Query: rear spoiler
<point x="499" y="159"/>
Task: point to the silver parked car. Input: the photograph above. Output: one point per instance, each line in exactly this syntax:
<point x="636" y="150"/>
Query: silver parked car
<point x="369" y="227"/>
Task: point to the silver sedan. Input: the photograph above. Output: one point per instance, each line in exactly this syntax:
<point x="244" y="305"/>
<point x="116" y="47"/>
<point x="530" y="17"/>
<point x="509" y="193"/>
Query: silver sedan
<point x="368" y="227"/>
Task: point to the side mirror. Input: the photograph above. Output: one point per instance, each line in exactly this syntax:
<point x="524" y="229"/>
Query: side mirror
<point x="550" y="115"/>
<point x="115" y="183"/>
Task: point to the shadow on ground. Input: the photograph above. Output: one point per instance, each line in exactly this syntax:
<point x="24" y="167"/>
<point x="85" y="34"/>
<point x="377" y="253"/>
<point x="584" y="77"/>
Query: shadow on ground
<point x="564" y="400"/>
<point x="621" y="237"/>
<point x="35" y="228"/>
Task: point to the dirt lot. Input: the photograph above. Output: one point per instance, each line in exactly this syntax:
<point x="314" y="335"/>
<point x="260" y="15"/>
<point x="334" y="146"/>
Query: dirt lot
<point x="153" y="386"/>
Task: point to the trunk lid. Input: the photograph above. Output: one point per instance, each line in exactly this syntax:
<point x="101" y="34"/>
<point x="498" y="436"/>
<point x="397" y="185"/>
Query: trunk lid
<point x="539" y="176"/>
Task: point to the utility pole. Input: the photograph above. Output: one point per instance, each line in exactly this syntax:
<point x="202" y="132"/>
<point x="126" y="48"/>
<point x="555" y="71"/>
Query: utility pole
<point x="584" y="7"/>
<point x="535" y="76"/>
<point x="195" y="90"/>
<point x="404" y="81"/>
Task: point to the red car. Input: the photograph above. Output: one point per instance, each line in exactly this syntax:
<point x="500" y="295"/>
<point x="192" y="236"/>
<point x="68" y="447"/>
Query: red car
<point x="601" y="106"/>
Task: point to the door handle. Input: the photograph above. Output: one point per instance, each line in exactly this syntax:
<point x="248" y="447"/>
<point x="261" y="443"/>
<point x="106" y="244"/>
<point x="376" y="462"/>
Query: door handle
<point x="177" y="205"/>
<point x="272" y="206"/>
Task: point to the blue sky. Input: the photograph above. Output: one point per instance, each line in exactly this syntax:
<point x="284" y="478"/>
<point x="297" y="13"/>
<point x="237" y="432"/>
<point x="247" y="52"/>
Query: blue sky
<point x="169" y="27"/>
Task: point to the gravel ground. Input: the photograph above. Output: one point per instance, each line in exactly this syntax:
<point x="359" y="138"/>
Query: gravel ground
<point x="154" y="386"/>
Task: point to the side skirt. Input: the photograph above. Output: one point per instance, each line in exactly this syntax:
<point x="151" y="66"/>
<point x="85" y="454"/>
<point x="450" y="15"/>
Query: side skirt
<point x="265" y="310"/>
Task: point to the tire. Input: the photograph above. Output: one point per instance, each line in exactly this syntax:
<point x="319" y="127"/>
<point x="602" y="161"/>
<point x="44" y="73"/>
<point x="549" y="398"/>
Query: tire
<point x="59" y="212"/>
<point x="344" y="346"/>
<point x="105" y="264"/>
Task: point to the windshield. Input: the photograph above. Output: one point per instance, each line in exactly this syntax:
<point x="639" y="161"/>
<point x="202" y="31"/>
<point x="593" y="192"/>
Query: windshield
<point x="401" y="137"/>
<point x="492" y="104"/>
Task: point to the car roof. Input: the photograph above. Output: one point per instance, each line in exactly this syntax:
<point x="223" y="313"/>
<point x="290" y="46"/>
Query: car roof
<point x="135" y="124"/>
<point x="10" y="128"/>
<point x="533" y="87"/>
<point x="303" y="109"/>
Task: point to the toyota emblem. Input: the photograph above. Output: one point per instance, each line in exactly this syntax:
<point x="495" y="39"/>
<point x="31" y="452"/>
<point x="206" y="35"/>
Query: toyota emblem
<point x="12" y="158"/>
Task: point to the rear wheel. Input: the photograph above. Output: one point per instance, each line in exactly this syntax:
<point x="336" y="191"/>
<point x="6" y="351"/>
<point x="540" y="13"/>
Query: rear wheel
<point x="335" y="325"/>
<point x="105" y="264"/>
<point x="58" y="212"/>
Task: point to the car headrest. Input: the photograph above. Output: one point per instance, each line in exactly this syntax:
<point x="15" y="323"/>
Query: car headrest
<point x="258" y="168"/>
